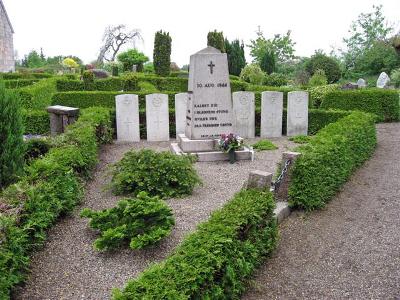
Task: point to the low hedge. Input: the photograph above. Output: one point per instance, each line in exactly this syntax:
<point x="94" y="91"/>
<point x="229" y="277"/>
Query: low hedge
<point x="39" y="95"/>
<point x="11" y="76"/>
<point x="50" y="188"/>
<point x="383" y="103"/>
<point x="329" y="159"/>
<point x="19" y="83"/>
<point x="215" y="261"/>
<point x="36" y="122"/>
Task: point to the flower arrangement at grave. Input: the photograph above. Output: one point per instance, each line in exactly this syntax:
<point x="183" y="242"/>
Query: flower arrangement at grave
<point x="229" y="143"/>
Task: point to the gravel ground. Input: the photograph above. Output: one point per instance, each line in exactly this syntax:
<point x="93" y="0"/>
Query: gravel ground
<point x="350" y="249"/>
<point x="68" y="267"/>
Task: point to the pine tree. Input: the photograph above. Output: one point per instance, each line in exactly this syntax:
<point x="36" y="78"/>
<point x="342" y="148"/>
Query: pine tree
<point x="236" y="58"/>
<point x="162" y="53"/>
<point x="11" y="137"/>
<point x="216" y="39"/>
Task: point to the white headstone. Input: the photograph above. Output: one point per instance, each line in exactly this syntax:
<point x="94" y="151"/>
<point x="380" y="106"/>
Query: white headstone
<point x="127" y="118"/>
<point x="297" y="113"/>
<point x="210" y="101"/>
<point x="271" y="114"/>
<point x="157" y="117"/>
<point x="180" y="112"/>
<point x="361" y="83"/>
<point x="244" y="113"/>
<point x="383" y="81"/>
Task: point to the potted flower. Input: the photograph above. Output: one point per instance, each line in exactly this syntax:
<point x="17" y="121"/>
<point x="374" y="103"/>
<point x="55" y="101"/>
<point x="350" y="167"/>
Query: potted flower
<point x="229" y="143"/>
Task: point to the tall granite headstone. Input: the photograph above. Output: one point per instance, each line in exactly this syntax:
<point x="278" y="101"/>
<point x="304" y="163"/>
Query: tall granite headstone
<point x="157" y="117"/>
<point x="127" y="117"/>
<point x="271" y="114"/>
<point x="181" y="100"/>
<point x="297" y="113"/>
<point x="209" y="112"/>
<point x="244" y="113"/>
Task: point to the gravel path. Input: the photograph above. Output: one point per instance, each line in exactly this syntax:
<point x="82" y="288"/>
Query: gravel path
<point x="350" y="249"/>
<point x="68" y="267"/>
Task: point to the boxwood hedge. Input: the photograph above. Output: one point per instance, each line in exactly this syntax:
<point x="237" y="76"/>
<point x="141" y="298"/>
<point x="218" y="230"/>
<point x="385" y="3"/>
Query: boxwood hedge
<point x="215" y="261"/>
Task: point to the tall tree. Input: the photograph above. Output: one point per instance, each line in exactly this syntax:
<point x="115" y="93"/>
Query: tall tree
<point x="268" y="61"/>
<point x="236" y="57"/>
<point x="216" y="39"/>
<point x="132" y="57"/>
<point x="114" y="38"/>
<point x="162" y="53"/>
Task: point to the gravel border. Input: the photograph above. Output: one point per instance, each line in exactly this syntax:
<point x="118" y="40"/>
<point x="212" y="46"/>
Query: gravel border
<point x="68" y="267"/>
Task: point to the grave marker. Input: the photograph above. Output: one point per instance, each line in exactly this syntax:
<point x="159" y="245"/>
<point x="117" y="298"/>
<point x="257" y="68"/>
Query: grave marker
<point x="271" y="114"/>
<point x="157" y="117"/>
<point x="297" y="113"/>
<point x="127" y="117"/>
<point x="244" y="113"/>
<point x="181" y="101"/>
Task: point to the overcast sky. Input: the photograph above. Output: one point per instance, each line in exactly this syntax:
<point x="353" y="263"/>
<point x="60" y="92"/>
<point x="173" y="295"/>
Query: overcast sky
<point x="75" y="27"/>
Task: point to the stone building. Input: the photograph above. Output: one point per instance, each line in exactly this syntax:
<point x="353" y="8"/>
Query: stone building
<point x="7" y="62"/>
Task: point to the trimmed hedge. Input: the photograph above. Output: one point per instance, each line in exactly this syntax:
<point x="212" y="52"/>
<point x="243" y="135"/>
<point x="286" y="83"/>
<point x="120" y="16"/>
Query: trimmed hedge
<point x="19" y="83"/>
<point x="36" y="122"/>
<point x="330" y="158"/>
<point x="38" y="96"/>
<point x="11" y="76"/>
<point x="50" y="188"/>
<point x="215" y="261"/>
<point x="383" y="103"/>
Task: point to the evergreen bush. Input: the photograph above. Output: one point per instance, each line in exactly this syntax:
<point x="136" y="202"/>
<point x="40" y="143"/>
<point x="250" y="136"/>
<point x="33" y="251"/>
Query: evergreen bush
<point x="320" y="61"/>
<point x="216" y="39"/>
<point x="162" y="53"/>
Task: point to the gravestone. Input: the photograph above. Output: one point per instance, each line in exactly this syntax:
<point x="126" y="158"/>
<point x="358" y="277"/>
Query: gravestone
<point x="127" y="118"/>
<point x="157" y="117"/>
<point x="271" y="114"/>
<point x="383" y="81"/>
<point x="180" y="112"/>
<point x="297" y="113"/>
<point x="361" y="83"/>
<point x="244" y="114"/>
<point x="61" y="117"/>
<point x="209" y="112"/>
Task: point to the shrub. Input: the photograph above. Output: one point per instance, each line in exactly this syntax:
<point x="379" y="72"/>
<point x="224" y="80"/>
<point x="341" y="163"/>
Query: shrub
<point x="132" y="57"/>
<point x="263" y="145"/>
<point x="275" y="79"/>
<point x="395" y="78"/>
<point x="252" y="74"/>
<point x="36" y="148"/>
<point x="162" y="53"/>
<point x="147" y="87"/>
<point x="99" y="73"/>
<point x="329" y="159"/>
<point x="216" y="39"/>
<point x="130" y="82"/>
<point x="236" y="57"/>
<point x="319" y="118"/>
<point x="268" y="61"/>
<point x="383" y="103"/>
<point x="318" y="78"/>
<point x="140" y="222"/>
<point x="300" y="139"/>
<point x="215" y="261"/>
<point x="38" y="96"/>
<point x="318" y="93"/>
<point x="88" y="80"/>
<point x="159" y="174"/>
<point x="36" y="121"/>
<point x="329" y="65"/>
<point x="11" y="142"/>
<point x="19" y="83"/>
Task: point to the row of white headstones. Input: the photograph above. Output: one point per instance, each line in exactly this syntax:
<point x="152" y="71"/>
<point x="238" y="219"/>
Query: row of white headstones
<point x="157" y="115"/>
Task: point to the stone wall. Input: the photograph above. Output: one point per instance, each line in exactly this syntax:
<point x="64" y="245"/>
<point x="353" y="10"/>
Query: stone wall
<point x="7" y="62"/>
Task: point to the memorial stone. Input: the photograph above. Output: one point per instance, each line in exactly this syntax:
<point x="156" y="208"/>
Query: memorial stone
<point x="271" y="114"/>
<point x="297" y="113"/>
<point x="383" y="81"/>
<point x="209" y="112"/>
<point x="244" y="113"/>
<point x="157" y="117"/>
<point x="361" y="83"/>
<point x="127" y="118"/>
<point x="180" y="112"/>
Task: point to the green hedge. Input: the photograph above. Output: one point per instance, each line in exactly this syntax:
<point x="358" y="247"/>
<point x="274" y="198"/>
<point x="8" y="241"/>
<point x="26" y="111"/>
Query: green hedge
<point x="383" y="103"/>
<point x="329" y="159"/>
<point x="38" y="96"/>
<point x="19" y="83"/>
<point x="50" y="188"/>
<point x="36" y="122"/>
<point x="11" y="76"/>
<point x="215" y="261"/>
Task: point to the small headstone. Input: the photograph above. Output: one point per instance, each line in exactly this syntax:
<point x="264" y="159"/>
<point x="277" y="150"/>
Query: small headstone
<point x="259" y="180"/>
<point x="157" y="117"/>
<point x="61" y="117"/>
<point x="209" y="111"/>
<point x="361" y="83"/>
<point x="271" y="114"/>
<point x="180" y="112"/>
<point x="127" y="117"/>
<point x="244" y="113"/>
<point x="383" y="81"/>
<point x="350" y="86"/>
<point x="297" y="113"/>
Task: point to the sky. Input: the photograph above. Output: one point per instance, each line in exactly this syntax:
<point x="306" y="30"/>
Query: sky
<point x="76" y="27"/>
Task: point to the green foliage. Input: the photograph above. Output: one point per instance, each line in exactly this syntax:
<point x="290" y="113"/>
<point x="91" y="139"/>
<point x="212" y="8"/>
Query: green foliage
<point x="147" y="87"/>
<point x="263" y="145"/>
<point x="25" y="75"/>
<point x="216" y="39"/>
<point x="19" y="83"/>
<point x="132" y="57"/>
<point x="252" y="74"/>
<point x="162" y="53"/>
<point x="88" y="79"/>
<point x="12" y="146"/>
<point x="236" y="57"/>
<point x="37" y="96"/>
<point x="300" y="139"/>
<point x="159" y="174"/>
<point x="34" y="60"/>
<point x="319" y="118"/>
<point x="395" y="78"/>
<point x="268" y="61"/>
<point x="275" y="79"/>
<point x="36" y="122"/>
<point x="318" y="79"/>
<point x="320" y="61"/>
<point x="383" y="103"/>
<point x="318" y="93"/>
<point x="141" y="222"/>
<point x="36" y="148"/>
<point x="329" y="159"/>
<point x="215" y="261"/>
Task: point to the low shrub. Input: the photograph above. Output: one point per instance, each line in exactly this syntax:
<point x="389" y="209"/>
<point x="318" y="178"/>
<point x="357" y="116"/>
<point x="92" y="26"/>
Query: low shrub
<point x="36" y="122"/>
<point x="263" y="145"/>
<point x="140" y="221"/>
<point x="318" y="93"/>
<point x="300" y="139"/>
<point x="383" y="103"/>
<point x="38" y="96"/>
<point x="319" y="118"/>
<point x="19" y="83"/>
<point x="215" y="261"/>
<point x="395" y="77"/>
<point x="159" y="174"/>
<point x="252" y="74"/>
<point x="14" y="76"/>
<point x="275" y="79"/>
<point x="318" y="79"/>
<point x="329" y="159"/>
<point x="36" y="148"/>
<point x="88" y="80"/>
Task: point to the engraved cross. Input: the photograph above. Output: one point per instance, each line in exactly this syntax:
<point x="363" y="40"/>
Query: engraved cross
<point x="211" y="65"/>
